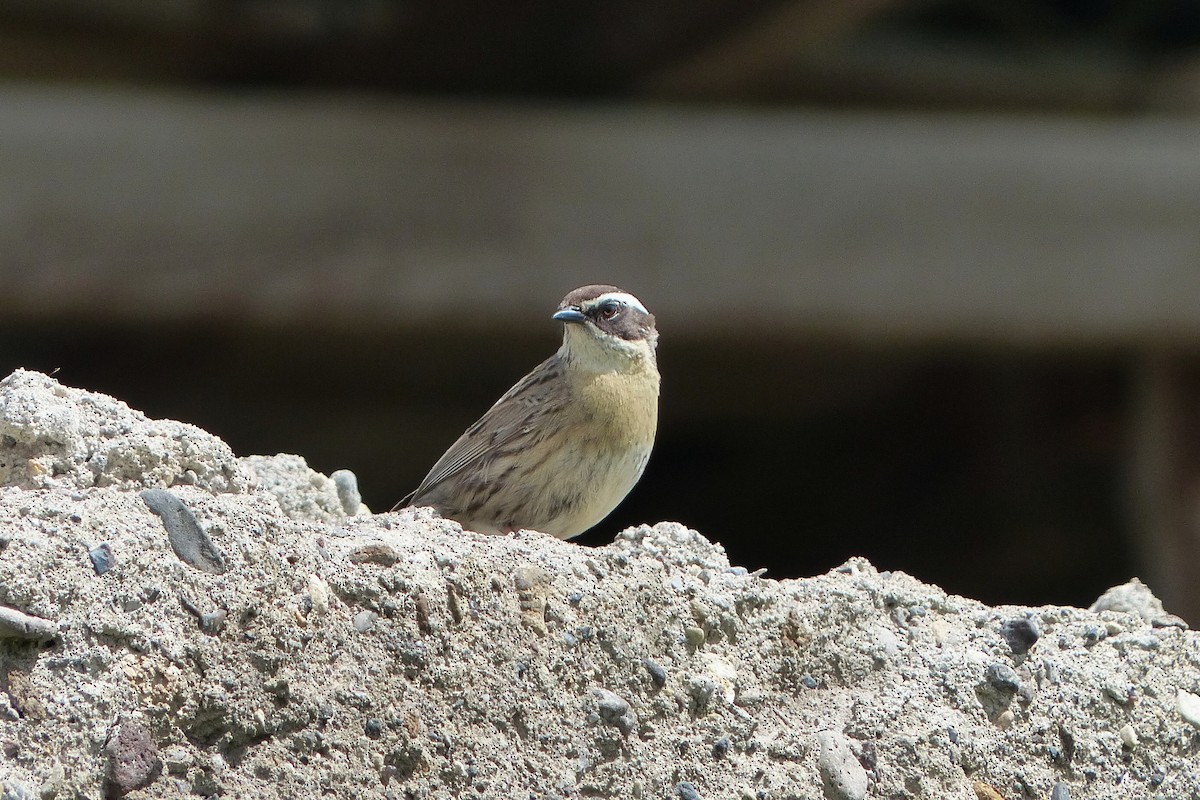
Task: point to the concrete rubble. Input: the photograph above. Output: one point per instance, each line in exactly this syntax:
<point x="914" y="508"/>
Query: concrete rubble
<point x="178" y="622"/>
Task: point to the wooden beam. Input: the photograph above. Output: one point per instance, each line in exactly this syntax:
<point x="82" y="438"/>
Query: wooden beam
<point x="889" y="227"/>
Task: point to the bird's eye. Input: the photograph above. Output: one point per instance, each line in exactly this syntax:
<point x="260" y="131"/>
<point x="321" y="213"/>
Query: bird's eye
<point x="610" y="310"/>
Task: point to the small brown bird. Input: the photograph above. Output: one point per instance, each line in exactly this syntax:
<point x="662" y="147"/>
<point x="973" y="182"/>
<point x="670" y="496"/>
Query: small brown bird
<point x="564" y="446"/>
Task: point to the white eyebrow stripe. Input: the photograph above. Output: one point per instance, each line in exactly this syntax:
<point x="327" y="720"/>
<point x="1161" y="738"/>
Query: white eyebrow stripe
<point x="620" y="297"/>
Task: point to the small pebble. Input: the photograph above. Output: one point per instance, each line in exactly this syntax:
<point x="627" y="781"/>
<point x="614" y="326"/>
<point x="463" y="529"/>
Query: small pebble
<point x="373" y="727"/>
<point x="1005" y="719"/>
<point x="133" y="760"/>
<point x="614" y="710"/>
<point x="1060" y="792"/>
<point x="318" y="592"/>
<point x="1189" y="707"/>
<point x="701" y="690"/>
<point x="1021" y="634"/>
<point x="809" y="682"/>
<point x="421" y="609"/>
<point x="213" y="622"/>
<point x="985" y="791"/>
<point x="611" y="704"/>
<point x="720" y="747"/>
<point x="1128" y="735"/>
<point x="346" y="483"/>
<point x="375" y="553"/>
<point x="364" y="621"/>
<point x="842" y="777"/>
<point x="1120" y="690"/>
<point x="210" y="621"/>
<point x="188" y="539"/>
<point x="686" y="791"/>
<point x="694" y="636"/>
<point x="102" y="558"/>
<point x="19" y="625"/>
<point x="1003" y="678"/>
<point x="658" y="675"/>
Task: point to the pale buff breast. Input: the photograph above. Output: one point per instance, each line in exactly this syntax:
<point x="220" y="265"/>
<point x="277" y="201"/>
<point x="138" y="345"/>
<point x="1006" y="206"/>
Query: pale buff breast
<point x="593" y="457"/>
<point x="594" y="473"/>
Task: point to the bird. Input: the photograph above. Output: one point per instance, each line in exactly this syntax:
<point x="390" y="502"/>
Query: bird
<point x="560" y="449"/>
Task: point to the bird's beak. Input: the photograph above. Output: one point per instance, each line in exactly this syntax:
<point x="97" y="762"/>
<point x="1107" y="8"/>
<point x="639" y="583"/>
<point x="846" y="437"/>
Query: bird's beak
<point x="569" y="315"/>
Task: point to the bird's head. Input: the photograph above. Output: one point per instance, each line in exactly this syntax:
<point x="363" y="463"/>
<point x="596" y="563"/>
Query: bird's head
<point x="605" y="326"/>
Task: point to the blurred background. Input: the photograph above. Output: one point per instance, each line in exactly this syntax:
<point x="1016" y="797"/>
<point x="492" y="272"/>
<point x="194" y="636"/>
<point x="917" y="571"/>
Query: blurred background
<point x="926" y="271"/>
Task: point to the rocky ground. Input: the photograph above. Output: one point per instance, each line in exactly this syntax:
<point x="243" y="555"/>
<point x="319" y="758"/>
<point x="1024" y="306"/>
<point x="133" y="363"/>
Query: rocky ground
<point x="177" y="622"/>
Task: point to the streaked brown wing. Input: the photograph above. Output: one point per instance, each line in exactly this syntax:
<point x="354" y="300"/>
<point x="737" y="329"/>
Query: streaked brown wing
<point x="510" y="417"/>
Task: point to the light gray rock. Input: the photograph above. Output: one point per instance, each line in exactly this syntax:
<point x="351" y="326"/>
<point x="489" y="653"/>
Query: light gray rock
<point x="16" y="624"/>
<point x="1189" y="707"/>
<point x="188" y="538"/>
<point x="842" y="777"/>
<point x="346" y="484"/>
<point x="1135" y="597"/>
<point x="396" y="655"/>
<point x="56" y="437"/>
<point x="612" y="709"/>
<point x="302" y="492"/>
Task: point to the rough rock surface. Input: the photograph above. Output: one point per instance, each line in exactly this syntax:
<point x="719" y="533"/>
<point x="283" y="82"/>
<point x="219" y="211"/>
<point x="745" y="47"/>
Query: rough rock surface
<point x="396" y="656"/>
<point x="304" y="493"/>
<point x="55" y="437"/>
